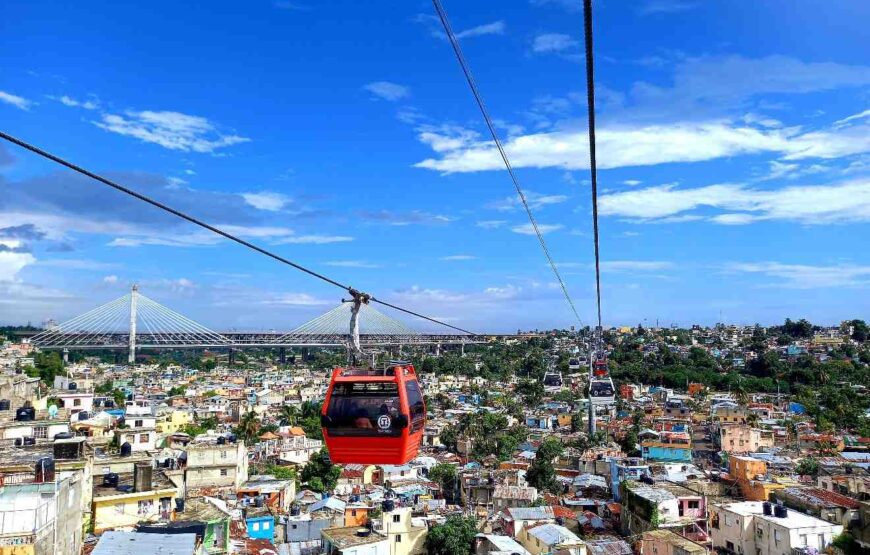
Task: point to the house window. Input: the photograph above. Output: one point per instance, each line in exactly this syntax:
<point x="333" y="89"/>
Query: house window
<point x="397" y="518"/>
<point x="77" y="402"/>
<point x="223" y="454"/>
<point x="137" y="423"/>
<point x="398" y="538"/>
<point x="266" y="525"/>
<point x="119" y="508"/>
<point x="803" y="540"/>
<point x="40" y="431"/>
<point x="694" y="504"/>
<point x="353" y="512"/>
<point x="143" y="438"/>
<point x="730" y="546"/>
<point x="146" y="506"/>
<point x="223" y="471"/>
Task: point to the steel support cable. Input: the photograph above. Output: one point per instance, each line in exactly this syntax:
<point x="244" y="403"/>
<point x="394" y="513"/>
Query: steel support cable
<point x="74" y="332"/>
<point x="460" y="57"/>
<point x="593" y="170"/>
<point x="185" y="324"/>
<point x="45" y="154"/>
<point x="63" y="327"/>
<point x="165" y="333"/>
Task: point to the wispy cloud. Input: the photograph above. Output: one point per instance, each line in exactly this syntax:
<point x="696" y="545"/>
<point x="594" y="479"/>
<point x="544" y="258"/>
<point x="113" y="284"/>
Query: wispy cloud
<point x="351" y="264"/>
<point x="457" y="257"/>
<point x="18" y="101"/>
<point x="639" y="145"/>
<point x="267" y="200"/>
<point x="805" y="276"/>
<point x="490" y="224"/>
<point x="172" y="130"/>
<point x="89" y="104"/>
<point x="527" y="229"/>
<point x="494" y="28"/>
<point x="413" y="217"/>
<point x="738" y="204"/>
<point x="313" y="240"/>
<point x="553" y="42"/>
<point x="569" y="5"/>
<point x="387" y="90"/>
<point x="535" y="201"/>
<point x="665" y="6"/>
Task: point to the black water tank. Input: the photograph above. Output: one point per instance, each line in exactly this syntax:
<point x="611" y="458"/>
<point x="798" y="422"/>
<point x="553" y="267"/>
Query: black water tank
<point x="30" y="441"/>
<point x="83" y="415"/>
<point x="5" y="404"/>
<point x="221" y="440"/>
<point x="110" y="479"/>
<point x="19" y="441"/>
<point x="72" y="386"/>
<point x="126" y="449"/>
<point x="25" y="414"/>
<point x="767" y="508"/>
<point x="388" y="505"/>
<point x="294" y="510"/>
<point x="44" y="471"/>
<point x="64" y="435"/>
<point x="779" y="511"/>
<point x="179" y="504"/>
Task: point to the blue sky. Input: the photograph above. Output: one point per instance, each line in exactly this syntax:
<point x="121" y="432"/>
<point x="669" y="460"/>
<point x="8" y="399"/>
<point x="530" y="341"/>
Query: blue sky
<point x="734" y="152"/>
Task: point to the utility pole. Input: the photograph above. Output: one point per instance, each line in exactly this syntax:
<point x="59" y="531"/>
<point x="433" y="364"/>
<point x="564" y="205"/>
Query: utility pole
<point x="134" y="293"/>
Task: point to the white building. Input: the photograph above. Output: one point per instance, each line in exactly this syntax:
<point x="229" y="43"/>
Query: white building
<point x="743" y="528"/>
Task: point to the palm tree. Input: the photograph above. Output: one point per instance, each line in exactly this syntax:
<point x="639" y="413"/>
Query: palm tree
<point x="248" y="427"/>
<point x="289" y="414"/>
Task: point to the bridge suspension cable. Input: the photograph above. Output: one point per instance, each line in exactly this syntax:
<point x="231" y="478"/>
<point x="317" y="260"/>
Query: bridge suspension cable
<point x="216" y="230"/>
<point x="460" y="57"/>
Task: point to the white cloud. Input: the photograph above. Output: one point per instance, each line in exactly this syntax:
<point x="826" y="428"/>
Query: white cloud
<point x="527" y="229"/>
<point x="266" y="200"/>
<point x="18" y="101"/>
<point x="855" y="117"/>
<point x="172" y="130"/>
<point x="457" y="257"/>
<point x="73" y="103"/>
<point x="553" y="42"/>
<point x="535" y="201"/>
<point x="110" y="280"/>
<point x="175" y="182"/>
<point x="387" y="90"/>
<point x="494" y="28"/>
<point x="665" y="6"/>
<point x="297" y="299"/>
<point x="313" y="240"/>
<point x="632" y="182"/>
<point x="811" y="204"/>
<point x="803" y="276"/>
<point x="645" y="145"/>
<point x="490" y="224"/>
<point x="13" y="259"/>
<point x="351" y="264"/>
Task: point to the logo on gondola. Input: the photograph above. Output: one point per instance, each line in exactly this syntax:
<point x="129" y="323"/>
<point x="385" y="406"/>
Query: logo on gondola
<point x="384" y="421"/>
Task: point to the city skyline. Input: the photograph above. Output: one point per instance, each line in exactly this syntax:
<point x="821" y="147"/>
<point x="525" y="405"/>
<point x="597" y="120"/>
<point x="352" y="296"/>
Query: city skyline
<point x="733" y="149"/>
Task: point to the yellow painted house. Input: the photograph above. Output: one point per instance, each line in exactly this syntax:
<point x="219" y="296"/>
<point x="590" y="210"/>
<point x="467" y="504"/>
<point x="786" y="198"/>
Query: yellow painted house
<point x="172" y="422"/>
<point x="114" y="509"/>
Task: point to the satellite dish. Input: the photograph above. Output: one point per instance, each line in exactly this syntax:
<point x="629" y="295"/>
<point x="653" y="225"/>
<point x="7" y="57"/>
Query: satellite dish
<point x="52" y="411"/>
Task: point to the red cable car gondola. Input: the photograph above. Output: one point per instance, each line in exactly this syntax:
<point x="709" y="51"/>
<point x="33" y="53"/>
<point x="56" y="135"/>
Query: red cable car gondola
<point x="373" y="416"/>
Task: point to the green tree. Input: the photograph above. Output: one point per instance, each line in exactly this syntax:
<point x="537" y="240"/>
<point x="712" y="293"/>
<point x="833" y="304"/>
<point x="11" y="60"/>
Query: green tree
<point x="320" y="474"/>
<point x="541" y="473"/>
<point x="445" y="475"/>
<point x="454" y="537"/>
<point x="807" y="467"/>
<point x="177" y="390"/>
<point x="288" y="415"/>
<point x="628" y="443"/>
<point x="532" y="392"/>
<point x="249" y="427"/>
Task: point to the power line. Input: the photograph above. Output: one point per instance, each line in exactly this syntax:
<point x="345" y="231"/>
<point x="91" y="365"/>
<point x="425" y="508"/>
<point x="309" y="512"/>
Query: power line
<point x="442" y="15"/>
<point x="213" y="229"/>
<point x="590" y="97"/>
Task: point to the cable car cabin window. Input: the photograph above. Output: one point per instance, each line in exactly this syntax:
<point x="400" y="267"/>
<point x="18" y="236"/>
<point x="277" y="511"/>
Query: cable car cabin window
<point x="416" y="405"/>
<point x="364" y="409"/>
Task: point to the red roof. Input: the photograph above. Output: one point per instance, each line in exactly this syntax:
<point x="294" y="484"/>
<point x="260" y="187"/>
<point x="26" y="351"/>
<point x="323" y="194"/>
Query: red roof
<point x="834" y="498"/>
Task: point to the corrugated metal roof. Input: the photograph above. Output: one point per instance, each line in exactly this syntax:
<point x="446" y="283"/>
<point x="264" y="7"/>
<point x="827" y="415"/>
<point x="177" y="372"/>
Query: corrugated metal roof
<point x="553" y="534"/>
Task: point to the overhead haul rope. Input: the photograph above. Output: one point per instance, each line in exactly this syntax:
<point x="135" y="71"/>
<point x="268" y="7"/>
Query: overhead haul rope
<point x="353" y="292"/>
<point x="590" y="97"/>
<point x="454" y="42"/>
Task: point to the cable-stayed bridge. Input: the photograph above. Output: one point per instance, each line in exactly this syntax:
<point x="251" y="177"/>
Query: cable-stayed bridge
<point x="134" y="321"/>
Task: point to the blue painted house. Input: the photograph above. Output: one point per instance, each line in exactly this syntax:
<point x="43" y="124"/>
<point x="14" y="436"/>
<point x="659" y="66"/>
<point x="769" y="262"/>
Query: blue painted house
<point x="260" y="524"/>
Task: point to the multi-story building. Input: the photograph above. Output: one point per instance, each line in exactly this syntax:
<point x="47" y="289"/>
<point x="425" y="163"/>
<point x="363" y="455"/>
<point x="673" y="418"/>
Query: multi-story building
<point x="405" y="535"/>
<point x="622" y="469"/>
<point x="214" y="464"/>
<point x="667" y="447"/>
<point x="760" y="528"/>
<point x="752" y="478"/>
<point x="120" y="501"/>
<point x="742" y="438"/>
